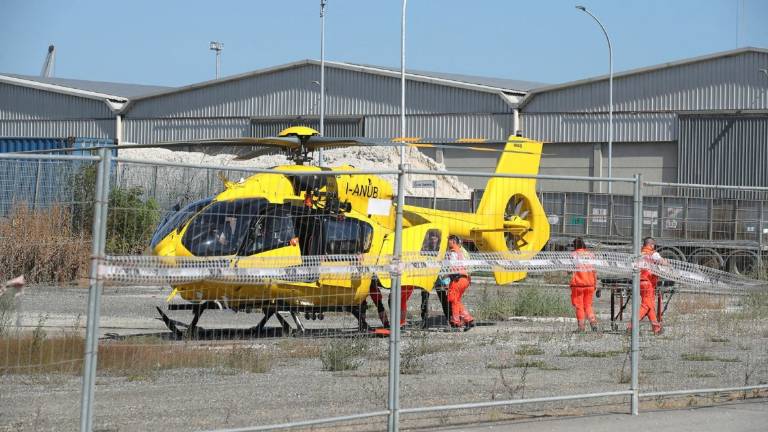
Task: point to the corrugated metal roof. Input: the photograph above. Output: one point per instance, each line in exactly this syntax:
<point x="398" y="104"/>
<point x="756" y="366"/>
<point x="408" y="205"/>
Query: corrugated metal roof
<point x="511" y="85"/>
<point x="293" y="92"/>
<point x="568" y="85"/>
<point x="110" y="88"/>
<point x="492" y="85"/>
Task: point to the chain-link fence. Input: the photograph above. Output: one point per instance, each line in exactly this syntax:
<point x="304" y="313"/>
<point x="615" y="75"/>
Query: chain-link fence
<point x="227" y="298"/>
<point x="46" y="216"/>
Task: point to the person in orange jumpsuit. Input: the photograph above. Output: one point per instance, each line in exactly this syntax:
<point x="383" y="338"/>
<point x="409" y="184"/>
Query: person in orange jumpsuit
<point x="460" y="280"/>
<point x="378" y="301"/>
<point x="583" y="283"/>
<point x="648" y="282"/>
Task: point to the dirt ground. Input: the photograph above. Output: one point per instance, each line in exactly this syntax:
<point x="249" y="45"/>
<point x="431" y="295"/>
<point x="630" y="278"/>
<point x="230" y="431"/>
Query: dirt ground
<point x="709" y="341"/>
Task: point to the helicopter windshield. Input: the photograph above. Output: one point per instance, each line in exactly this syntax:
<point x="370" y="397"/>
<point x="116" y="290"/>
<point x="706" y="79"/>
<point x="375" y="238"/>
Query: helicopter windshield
<point x="221" y="228"/>
<point x="177" y="219"/>
<point x="271" y="230"/>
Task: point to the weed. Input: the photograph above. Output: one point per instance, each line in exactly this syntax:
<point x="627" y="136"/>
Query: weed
<point x="512" y="389"/>
<point x="696" y="303"/>
<point x="654" y="356"/>
<point x="7" y="308"/>
<point x="411" y="357"/>
<point x="754" y="305"/>
<point x="343" y="354"/>
<point x="247" y="359"/>
<point x="298" y="348"/>
<point x="503" y="362"/>
<point x="528" y="350"/>
<point x="591" y="354"/>
<point x="131" y="221"/>
<point x="540" y="302"/>
<point x="496" y="307"/>
<point x="531" y="301"/>
<point x="702" y="374"/>
<point x="624" y="376"/>
<point x="38" y="334"/>
<point x="697" y="357"/>
<point x="42" y="245"/>
<point x="538" y="364"/>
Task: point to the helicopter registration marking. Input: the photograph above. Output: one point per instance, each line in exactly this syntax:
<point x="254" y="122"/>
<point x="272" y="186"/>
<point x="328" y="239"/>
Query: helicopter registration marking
<point x="366" y="191"/>
<point x="379" y="207"/>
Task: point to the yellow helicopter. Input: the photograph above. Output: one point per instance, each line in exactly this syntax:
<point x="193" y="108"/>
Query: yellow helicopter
<point x="291" y="215"/>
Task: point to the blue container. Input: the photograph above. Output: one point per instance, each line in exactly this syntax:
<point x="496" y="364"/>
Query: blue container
<point x="15" y="145"/>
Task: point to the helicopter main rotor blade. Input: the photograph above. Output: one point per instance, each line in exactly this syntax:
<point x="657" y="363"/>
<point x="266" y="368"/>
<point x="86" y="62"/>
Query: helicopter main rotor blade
<point x="312" y="143"/>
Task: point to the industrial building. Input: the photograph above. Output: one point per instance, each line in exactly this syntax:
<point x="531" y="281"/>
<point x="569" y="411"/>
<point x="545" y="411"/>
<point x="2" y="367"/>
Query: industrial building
<point x="699" y="120"/>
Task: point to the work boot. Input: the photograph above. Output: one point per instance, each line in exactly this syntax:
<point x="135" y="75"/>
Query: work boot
<point x="657" y="330"/>
<point x="384" y="318"/>
<point x="593" y="326"/>
<point x="581" y="328"/>
<point x="468" y="325"/>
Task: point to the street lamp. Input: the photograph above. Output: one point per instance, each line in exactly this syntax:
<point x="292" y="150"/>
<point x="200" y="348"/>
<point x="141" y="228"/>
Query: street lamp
<point x="217" y="46"/>
<point x="610" y="93"/>
<point x="322" y="77"/>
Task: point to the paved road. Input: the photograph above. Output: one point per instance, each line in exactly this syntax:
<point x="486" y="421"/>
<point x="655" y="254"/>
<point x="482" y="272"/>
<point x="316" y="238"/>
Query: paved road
<point x="741" y="417"/>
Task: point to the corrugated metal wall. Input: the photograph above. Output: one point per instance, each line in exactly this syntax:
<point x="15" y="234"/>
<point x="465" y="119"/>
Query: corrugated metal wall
<point x="58" y="128"/>
<point x="732" y="82"/>
<point x="591" y="127"/>
<point x="147" y="131"/>
<point x="339" y="127"/>
<point x="646" y="104"/>
<point x="490" y="126"/>
<point x="726" y="150"/>
<point x="293" y="92"/>
<point x="24" y="103"/>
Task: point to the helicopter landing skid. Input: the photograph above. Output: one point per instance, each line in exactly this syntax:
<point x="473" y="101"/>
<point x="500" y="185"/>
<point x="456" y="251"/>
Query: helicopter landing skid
<point x="183" y="330"/>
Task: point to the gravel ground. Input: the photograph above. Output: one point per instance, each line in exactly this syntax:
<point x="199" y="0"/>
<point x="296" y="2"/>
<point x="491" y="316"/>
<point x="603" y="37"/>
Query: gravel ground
<point x="708" y="342"/>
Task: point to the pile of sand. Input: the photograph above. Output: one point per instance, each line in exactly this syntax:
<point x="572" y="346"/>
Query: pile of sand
<point x="367" y="158"/>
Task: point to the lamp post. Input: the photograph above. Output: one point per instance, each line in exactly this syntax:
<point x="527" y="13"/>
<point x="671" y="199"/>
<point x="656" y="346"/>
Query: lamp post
<point x="322" y="78"/>
<point x="217" y="46"/>
<point x="610" y="93"/>
<point x="402" y="81"/>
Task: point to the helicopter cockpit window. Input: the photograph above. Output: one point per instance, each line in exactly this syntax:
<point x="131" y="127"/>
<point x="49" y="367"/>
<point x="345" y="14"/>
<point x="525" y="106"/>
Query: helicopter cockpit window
<point x="347" y="236"/>
<point x="431" y="244"/>
<point x="176" y="220"/>
<point x="271" y="230"/>
<point x="221" y="228"/>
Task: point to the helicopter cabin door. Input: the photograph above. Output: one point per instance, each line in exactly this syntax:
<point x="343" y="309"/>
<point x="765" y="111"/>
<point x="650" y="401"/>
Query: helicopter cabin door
<point x="346" y="242"/>
<point x="271" y="242"/>
<point x="424" y="247"/>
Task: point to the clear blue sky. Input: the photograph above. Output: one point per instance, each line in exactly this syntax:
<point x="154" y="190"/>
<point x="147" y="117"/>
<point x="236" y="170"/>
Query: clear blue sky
<point x="165" y="42"/>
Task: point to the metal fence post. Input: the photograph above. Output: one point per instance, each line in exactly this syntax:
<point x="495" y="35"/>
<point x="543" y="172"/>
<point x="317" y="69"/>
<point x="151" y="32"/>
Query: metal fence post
<point x="94" y="293"/>
<point x="36" y="193"/>
<point x="637" y="230"/>
<point x="393" y="421"/>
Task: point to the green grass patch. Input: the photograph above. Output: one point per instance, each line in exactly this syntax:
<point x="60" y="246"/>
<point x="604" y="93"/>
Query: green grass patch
<point x="343" y="354"/>
<point x="537" y="364"/>
<point x="528" y="350"/>
<point x="702" y="374"/>
<point x="529" y="301"/>
<point x="697" y="357"/>
<point x="591" y="354"/>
